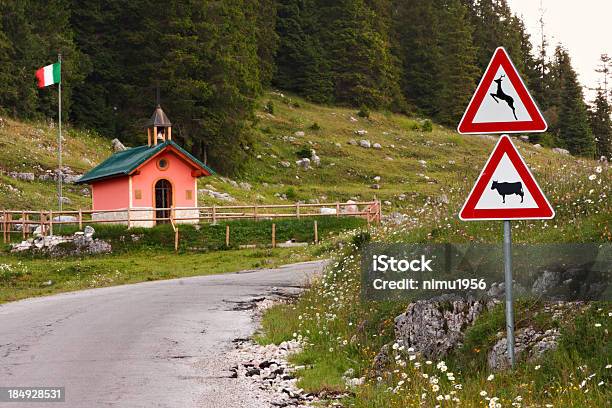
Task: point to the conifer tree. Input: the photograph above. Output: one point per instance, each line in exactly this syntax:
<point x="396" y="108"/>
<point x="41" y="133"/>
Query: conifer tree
<point x="574" y="131"/>
<point x="458" y="73"/>
<point x="601" y="124"/>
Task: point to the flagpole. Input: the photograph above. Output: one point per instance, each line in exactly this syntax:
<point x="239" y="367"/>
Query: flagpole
<point x="59" y="140"/>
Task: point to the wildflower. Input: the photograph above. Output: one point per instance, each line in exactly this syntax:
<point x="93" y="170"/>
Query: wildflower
<point x="490" y="377"/>
<point x="435" y="388"/>
<point x="609" y="366"/>
<point x="598" y="169"/>
<point x="592" y="177"/>
<point x="537" y="367"/>
<point x="597" y="324"/>
<point x="483" y="393"/>
<point x="428" y="362"/>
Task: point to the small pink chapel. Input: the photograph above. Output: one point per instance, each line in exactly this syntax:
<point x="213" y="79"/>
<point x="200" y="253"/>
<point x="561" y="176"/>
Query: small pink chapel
<point x="158" y="180"/>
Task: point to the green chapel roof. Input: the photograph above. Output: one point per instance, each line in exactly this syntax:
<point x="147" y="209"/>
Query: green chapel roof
<point x="126" y="161"/>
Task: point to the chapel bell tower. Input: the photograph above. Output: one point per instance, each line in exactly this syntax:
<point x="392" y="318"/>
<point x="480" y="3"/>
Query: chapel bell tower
<point x="159" y="128"/>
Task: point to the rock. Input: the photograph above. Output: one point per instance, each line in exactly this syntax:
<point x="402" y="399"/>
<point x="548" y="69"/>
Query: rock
<point x="285" y="164"/>
<point x="66" y="200"/>
<point x="352" y="142"/>
<point x="567" y="282"/>
<point x="389" y="158"/>
<point x="327" y="210"/>
<point x="299" y="133"/>
<point x="387" y="202"/>
<point x="117" y="146"/>
<point x="364" y="143"/>
<point x="375" y="186"/>
<point x="524" y="138"/>
<point x="537" y="146"/>
<point x="85" y="191"/>
<point x="217" y="195"/>
<point x="361" y="132"/>
<point x="316" y="160"/>
<point x="337" y="144"/>
<point x="377" y="146"/>
<point x="423" y="163"/>
<point x="352" y="119"/>
<point x="442" y="199"/>
<point x="21" y="176"/>
<point x="437" y="325"/>
<point x="303" y="163"/>
<point x="245" y="186"/>
<point x="402" y="197"/>
<point x="89" y="231"/>
<point x="381" y="361"/>
<point x="559" y="150"/>
<point x="529" y="344"/>
<point x="603" y="159"/>
<point x="349" y="209"/>
<point x="376" y="178"/>
<point x="354" y="382"/>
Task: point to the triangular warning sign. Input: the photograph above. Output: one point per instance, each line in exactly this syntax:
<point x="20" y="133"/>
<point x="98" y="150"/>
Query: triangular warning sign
<point x="506" y="189"/>
<point x="501" y="103"/>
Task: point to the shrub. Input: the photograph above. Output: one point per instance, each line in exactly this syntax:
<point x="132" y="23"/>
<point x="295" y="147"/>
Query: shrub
<point x="315" y="126"/>
<point x="304" y="152"/>
<point x="361" y="239"/>
<point x="364" y="112"/>
<point x="427" y="126"/>
<point x="269" y="107"/>
<point x="290" y="194"/>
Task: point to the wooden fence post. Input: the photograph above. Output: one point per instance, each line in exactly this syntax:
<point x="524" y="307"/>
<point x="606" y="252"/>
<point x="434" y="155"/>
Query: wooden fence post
<point x="23" y="225"/>
<point x="273" y="235"/>
<point x="316" y="231"/>
<point x="227" y="235"/>
<point x="337" y="209"/>
<point x="80" y="219"/>
<point x="50" y="222"/>
<point x="214" y="215"/>
<point x="255" y="211"/>
<point x="176" y="240"/>
<point x="297" y="210"/>
<point x="4" y="226"/>
<point x="129" y="218"/>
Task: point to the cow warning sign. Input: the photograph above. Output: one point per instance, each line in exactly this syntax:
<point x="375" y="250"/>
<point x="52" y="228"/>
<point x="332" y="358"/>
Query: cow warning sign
<point x="501" y="103"/>
<point x="506" y="189"/>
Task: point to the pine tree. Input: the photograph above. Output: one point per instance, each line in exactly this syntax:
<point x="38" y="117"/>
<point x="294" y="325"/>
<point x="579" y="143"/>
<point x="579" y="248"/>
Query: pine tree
<point x="458" y="73"/>
<point x="601" y="124"/>
<point x="574" y="132"/>
<point x="420" y="53"/>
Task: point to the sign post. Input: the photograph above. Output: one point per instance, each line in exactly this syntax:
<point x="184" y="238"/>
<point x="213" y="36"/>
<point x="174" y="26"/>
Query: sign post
<point x="505" y="189"/>
<point x="508" y="288"/>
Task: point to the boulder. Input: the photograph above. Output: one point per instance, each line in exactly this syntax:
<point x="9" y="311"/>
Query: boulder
<point x="529" y="344"/>
<point x="352" y="142"/>
<point x="303" y="163"/>
<point x="299" y="133"/>
<point x="89" y="231"/>
<point x="361" y="132"/>
<point x="315" y="160"/>
<point x="537" y="146"/>
<point x="117" y="146"/>
<point x="524" y="138"/>
<point x="377" y="146"/>
<point x="285" y="164"/>
<point x="327" y="211"/>
<point x="365" y="143"/>
<point x="245" y="186"/>
<point x="559" y="150"/>
<point x="349" y="209"/>
<point x="21" y="176"/>
<point x="437" y="325"/>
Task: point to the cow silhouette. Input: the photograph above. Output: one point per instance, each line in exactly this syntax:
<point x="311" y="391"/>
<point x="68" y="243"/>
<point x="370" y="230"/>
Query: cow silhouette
<point x="505" y="189"/>
<point x="500" y="94"/>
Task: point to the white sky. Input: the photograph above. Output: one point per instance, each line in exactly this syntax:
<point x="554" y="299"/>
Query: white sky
<point x="584" y="27"/>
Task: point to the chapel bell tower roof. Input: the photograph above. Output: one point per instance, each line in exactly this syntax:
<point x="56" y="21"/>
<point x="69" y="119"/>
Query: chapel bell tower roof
<point x="158" y="127"/>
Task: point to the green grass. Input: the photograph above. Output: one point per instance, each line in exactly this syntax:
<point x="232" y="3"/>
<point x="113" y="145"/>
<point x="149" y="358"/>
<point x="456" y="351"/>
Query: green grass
<point x="22" y="277"/>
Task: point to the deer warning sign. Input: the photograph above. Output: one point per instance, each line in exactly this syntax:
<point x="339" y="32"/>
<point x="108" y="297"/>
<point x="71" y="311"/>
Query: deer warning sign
<point x="501" y="103"/>
<point x="506" y="189"/>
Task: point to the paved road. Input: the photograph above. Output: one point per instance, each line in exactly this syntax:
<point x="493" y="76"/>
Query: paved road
<point x="154" y="344"/>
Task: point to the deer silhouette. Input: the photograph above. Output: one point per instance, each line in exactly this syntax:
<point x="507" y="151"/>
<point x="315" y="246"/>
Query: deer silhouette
<point x="503" y="96"/>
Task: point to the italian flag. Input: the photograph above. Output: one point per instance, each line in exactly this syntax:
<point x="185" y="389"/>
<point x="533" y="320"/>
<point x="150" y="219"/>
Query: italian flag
<point x="49" y="75"/>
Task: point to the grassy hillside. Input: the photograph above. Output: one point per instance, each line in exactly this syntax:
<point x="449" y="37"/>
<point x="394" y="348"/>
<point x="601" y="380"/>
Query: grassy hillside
<point x="417" y="166"/>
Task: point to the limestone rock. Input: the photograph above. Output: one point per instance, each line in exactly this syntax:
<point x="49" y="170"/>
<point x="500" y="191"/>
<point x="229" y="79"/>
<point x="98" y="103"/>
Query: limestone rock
<point x="303" y="163"/>
<point x="365" y="143"/>
<point x="559" y="150"/>
<point x="21" y="176"/>
<point x="529" y="344"/>
<point x="436" y="326"/>
<point x="117" y="146"/>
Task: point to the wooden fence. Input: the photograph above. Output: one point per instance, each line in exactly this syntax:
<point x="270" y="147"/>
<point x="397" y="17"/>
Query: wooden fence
<point x="26" y="222"/>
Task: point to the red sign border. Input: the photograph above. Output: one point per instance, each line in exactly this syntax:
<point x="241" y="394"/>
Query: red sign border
<point x="535" y="125"/>
<point x="470" y="213"/>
